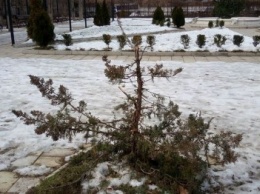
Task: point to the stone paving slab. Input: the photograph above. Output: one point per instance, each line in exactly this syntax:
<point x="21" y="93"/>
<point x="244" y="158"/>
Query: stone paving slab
<point x="26" y="161"/>
<point x="88" y="57"/>
<point x="237" y="59"/>
<point x="189" y="59"/>
<point x="212" y="59"/>
<point x="225" y="59"/>
<point x="59" y="152"/>
<point x="123" y="58"/>
<point x="129" y="59"/>
<point x="7" y="179"/>
<point x="52" y="162"/>
<point x="144" y="58"/>
<point x="155" y="58"/>
<point x="166" y="58"/>
<point x="177" y="58"/>
<point x="203" y="59"/>
<point x="24" y="184"/>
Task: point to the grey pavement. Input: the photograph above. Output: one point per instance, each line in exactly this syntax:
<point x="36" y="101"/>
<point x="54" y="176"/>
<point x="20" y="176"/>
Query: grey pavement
<point x="12" y="52"/>
<point x="11" y="182"/>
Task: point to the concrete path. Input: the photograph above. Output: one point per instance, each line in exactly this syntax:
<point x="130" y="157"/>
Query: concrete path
<point x="9" y="51"/>
<point x="11" y="182"/>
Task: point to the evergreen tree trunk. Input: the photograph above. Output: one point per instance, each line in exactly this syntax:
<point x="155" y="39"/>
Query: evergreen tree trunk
<point x="138" y="101"/>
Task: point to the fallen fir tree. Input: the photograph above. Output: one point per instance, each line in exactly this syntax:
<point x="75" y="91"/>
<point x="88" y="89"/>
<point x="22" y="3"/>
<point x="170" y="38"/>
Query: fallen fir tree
<point x="147" y="132"/>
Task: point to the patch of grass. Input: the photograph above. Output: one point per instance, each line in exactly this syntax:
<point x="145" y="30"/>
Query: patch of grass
<point x="104" y="183"/>
<point x="133" y="190"/>
<point x="44" y="48"/>
<point x="179" y="50"/>
<point x="222" y="50"/>
<point x="201" y="51"/>
<point x="236" y="51"/>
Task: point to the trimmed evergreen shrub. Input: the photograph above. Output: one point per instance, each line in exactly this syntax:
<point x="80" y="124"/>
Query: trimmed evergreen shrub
<point x="107" y="39"/>
<point x="173" y="14"/>
<point x="237" y="40"/>
<point x="67" y="39"/>
<point x="158" y="16"/>
<point x="256" y="40"/>
<point x="210" y="24"/>
<point x="201" y="40"/>
<point x="219" y="40"/>
<point x="98" y="18"/>
<point x="105" y="13"/>
<point x="43" y="29"/>
<point x="221" y="23"/>
<point x="122" y="41"/>
<point x="35" y="7"/>
<point x="185" y="40"/>
<point x="150" y="40"/>
<point x="102" y="16"/>
<point x="137" y="40"/>
<point x="178" y="17"/>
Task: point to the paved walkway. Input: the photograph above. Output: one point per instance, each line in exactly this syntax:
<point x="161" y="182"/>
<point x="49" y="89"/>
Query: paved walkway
<point x="10" y="182"/>
<point x="9" y="51"/>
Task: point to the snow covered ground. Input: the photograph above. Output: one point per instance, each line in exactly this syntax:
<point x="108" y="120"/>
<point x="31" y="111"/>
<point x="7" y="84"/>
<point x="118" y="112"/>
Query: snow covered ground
<point x="20" y="34"/>
<point x="167" y="40"/>
<point x="229" y="92"/>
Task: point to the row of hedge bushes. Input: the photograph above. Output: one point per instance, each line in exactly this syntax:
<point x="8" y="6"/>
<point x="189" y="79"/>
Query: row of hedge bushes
<point x="218" y="23"/>
<point x="219" y="40"/>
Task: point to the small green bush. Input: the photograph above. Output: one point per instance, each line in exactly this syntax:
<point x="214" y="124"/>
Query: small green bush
<point x="43" y="29"/>
<point x="168" y="24"/>
<point x="150" y="40"/>
<point x="217" y="23"/>
<point x="137" y="40"/>
<point x="98" y="18"/>
<point x="105" y="13"/>
<point x="107" y="39"/>
<point x="256" y="40"/>
<point x="122" y="41"/>
<point x="35" y="7"/>
<point x="178" y="17"/>
<point x="185" y="40"/>
<point x="221" y="23"/>
<point x="237" y="40"/>
<point x="201" y="40"/>
<point x="158" y="16"/>
<point x="210" y="24"/>
<point x="67" y="40"/>
<point x="219" y="40"/>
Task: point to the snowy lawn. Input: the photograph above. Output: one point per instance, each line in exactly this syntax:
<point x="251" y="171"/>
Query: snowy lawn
<point x="229" y="92"/>
<point x="130" y="25"/>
